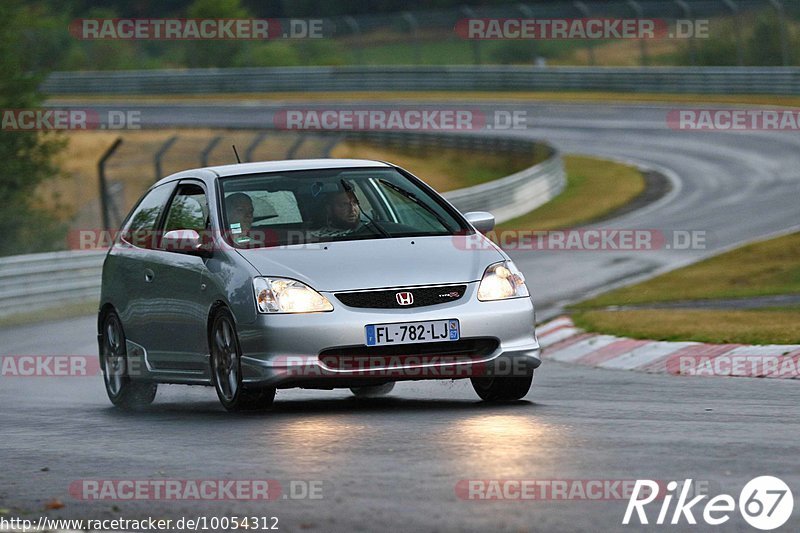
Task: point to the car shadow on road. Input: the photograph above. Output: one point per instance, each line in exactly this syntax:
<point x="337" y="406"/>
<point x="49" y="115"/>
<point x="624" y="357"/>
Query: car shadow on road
<point x="333" y="406"/>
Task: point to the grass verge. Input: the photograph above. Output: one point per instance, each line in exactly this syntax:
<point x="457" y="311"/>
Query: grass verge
<point x="761" y="269"/>
<point x="763" y="326"/>
<point x="46" y="315"/>
<point x="595" y="188"/>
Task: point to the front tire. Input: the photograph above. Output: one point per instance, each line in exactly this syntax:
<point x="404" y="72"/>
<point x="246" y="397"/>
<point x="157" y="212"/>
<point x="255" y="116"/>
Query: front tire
<point x="502" y="389"/>
<point x="226" y="369"/>
<point x="123" y="391"/>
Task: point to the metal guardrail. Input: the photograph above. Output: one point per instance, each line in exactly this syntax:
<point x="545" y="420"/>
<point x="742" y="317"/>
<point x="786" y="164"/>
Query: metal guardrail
<point x="40" y="281"/>
<point x="703" y="80"/>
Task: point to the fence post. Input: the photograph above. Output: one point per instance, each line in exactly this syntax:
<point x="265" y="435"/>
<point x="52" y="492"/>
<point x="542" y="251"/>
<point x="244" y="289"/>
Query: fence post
<point x="160" y="155"/>
<point x="687" y="13"/>
<point x="295" y="147"/>
<point x="737" y="31"/>
<point x="584" y="9"/>
<point x="248" y="154"/>
<point x="474" y="43"/>
<point x="784" y="34"/>
<point x="207" y="150"/>
<point x="413" y="27"/>
<point x="101" y="175"/>
<point x="637" y="9"/>
<point x="328" y="148"/>
<point x="352" y="23"/>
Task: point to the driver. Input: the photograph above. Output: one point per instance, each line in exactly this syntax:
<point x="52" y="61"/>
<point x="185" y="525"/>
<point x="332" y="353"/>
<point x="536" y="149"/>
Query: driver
<point x="342" y="215"/>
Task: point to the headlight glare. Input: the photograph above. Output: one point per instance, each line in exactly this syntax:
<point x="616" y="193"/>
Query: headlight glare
<point x="500" y="281"/>
<point x="280" y="295"/>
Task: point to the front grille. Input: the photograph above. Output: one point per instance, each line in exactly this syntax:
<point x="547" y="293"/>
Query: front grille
<point x="370" y="356"/>
<point x="387" y="299"/>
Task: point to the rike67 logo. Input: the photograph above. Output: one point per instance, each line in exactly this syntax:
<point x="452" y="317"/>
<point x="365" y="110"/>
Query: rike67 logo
<point x="765" y="503"/>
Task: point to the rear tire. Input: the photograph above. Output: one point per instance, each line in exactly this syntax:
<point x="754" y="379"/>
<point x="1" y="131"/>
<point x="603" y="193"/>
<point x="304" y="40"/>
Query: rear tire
<point x="502" y="389"/>
<point x="373" y="391"/>
<point x="123" y="390"/>
<point x="226" y="369"/>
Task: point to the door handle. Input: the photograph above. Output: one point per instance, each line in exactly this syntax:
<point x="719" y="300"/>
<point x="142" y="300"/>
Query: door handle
<point x="149" y="275"/>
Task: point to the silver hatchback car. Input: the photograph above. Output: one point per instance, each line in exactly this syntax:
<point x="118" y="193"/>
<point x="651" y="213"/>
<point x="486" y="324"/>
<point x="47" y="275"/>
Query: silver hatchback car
<point x="309" y="273"/>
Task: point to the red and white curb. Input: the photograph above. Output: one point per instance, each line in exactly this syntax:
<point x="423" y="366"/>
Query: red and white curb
<point x="562" y="341"/>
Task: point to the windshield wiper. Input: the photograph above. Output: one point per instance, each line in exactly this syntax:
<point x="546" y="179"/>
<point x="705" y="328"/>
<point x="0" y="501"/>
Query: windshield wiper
<point x="349" y="189"/>
<point x="413" y="197"/>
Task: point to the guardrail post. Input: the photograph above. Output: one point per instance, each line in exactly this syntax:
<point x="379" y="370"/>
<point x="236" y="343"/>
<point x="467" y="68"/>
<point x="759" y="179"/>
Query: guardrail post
<point x="784" y="34"/>
<point x="737" y="31"/>
<point x="160" y="155"/>
<point x="352" y="23"/>
<point x="101" y="175"/>
<point x="637" y="9"/>
<point x="687" y="13"/>
<point x="584" y="9"/>
<point x="248" y="154"/>
<point x="207" y="150"/>
<point x="474" y="43"/>
<point x="413" y="27"/>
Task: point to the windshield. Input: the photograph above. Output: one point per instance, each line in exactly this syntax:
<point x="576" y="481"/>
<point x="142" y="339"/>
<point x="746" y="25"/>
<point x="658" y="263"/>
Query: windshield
<point x="331" y="205"/>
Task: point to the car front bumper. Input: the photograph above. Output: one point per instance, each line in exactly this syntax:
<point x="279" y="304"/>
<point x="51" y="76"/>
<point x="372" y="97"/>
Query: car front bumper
<point x="282" y="350"/>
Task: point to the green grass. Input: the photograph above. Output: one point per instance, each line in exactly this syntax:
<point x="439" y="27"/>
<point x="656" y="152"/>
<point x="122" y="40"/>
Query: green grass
<point x="46" y="315"/>
<point x="763" y="326"/>
<point x="765" y="268"/>
<point x="760" y="269"/>
<point x="595" y="188"/>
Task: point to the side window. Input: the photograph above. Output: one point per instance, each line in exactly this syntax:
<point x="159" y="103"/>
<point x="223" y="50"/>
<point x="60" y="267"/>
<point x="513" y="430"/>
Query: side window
<point x="140" y="230"/>
<point x="188" y="209"/>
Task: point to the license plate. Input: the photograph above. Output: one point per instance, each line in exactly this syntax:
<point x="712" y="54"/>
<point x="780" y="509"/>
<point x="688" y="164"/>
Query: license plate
<point x="412" y="332"/>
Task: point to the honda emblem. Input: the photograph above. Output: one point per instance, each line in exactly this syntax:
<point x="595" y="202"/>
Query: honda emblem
<point x="404" y="298"/>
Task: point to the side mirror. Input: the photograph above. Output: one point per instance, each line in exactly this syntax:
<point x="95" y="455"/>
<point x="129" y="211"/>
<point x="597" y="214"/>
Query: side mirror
<point x="482" y="220"/>
<point x="184" y="241"/>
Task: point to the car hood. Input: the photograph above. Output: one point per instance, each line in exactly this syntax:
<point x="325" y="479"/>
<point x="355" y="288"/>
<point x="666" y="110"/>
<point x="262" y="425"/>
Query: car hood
<point x="374" y="263"/>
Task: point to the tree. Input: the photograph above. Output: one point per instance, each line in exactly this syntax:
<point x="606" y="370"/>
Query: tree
<point x="214" y="53"/>
<point x="27" y="156"/>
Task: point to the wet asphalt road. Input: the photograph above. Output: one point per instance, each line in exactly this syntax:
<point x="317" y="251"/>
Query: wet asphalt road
<point x="393" y="463"/>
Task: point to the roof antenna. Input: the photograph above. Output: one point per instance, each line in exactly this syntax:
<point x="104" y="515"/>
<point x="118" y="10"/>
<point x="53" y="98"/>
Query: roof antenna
<point x="236" y="153"/>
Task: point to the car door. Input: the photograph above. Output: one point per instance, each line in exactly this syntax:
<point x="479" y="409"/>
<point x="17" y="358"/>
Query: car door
<point x="179" y="302"/>
<point x="128" y="270"/>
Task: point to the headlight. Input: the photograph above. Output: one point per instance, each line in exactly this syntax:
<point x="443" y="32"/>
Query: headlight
<point x="280" y="295"/>
<point x="500" y="281"/>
